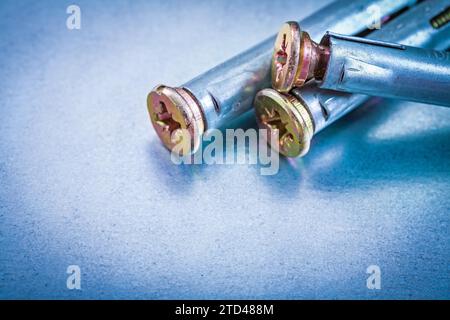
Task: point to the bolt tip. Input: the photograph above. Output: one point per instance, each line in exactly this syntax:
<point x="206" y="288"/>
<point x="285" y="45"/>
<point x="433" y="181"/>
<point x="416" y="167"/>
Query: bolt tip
<point x="176" y="118"/>
<point x="285" y="115"/>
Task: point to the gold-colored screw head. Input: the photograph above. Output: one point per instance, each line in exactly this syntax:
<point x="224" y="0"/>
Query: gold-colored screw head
<point x="176" y="117"/>
<point x="294" y="58"/>
<point x="285" y="115"/>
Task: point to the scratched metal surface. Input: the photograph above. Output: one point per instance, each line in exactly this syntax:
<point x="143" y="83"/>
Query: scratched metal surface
<point x="85" y="181"/>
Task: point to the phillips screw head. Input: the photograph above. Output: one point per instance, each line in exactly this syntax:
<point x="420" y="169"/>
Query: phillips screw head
<point x="282" y="113"/>
<point x="295" y="58"/>
<point x="176" y="117"/>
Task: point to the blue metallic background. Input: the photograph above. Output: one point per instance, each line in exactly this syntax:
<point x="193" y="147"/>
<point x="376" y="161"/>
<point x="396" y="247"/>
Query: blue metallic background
<point x="84" y="179"/>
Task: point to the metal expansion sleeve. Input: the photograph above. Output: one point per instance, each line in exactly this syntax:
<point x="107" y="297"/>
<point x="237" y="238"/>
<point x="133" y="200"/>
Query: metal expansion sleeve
<point x="385" y="69"/>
